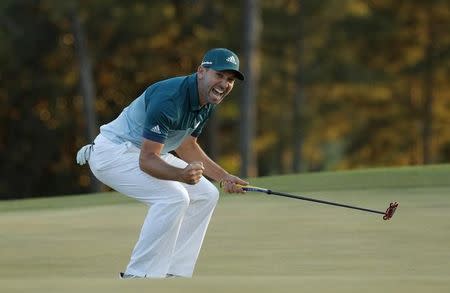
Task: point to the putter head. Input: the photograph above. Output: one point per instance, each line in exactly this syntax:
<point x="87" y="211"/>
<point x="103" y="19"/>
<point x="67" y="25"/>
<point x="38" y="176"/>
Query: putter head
<point x="390" y="210"/>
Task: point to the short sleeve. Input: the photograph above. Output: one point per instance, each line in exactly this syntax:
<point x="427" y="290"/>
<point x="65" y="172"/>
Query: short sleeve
<point x="159" y="120"/>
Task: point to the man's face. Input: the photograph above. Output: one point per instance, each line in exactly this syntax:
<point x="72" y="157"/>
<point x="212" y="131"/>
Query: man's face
<point x="214" y="86"/>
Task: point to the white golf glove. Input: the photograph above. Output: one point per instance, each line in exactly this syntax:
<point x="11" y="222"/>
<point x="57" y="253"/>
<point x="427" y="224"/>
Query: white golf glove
<point x="84" y="154"/>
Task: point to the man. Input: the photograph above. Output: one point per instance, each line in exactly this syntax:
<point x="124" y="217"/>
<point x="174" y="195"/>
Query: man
<point x="131" y="155"/>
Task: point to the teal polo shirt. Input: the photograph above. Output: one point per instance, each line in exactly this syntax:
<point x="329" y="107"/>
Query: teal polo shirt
<point x="167" y="112"/>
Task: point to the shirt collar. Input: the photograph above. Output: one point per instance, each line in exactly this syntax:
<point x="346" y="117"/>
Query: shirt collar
<point x="194" y="98"/>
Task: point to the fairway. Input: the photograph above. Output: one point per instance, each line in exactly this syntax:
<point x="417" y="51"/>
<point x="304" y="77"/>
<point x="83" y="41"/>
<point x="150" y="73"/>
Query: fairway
<point x="255" y="242"/>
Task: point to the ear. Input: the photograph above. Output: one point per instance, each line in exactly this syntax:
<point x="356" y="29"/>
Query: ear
<point x="201" y="71"/>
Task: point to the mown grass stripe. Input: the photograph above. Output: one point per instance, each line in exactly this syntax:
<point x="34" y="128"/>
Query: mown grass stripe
<point x="365" y="179"/>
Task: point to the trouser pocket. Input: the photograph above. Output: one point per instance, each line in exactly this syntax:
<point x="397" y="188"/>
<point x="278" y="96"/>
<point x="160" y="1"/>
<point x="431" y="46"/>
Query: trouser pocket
<point x="106" y="154"/>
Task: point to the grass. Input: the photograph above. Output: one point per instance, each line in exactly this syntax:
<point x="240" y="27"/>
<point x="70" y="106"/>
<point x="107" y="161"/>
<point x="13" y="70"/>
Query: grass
<point x="255" y="243"/>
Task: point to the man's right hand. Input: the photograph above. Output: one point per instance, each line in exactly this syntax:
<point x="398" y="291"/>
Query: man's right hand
<point x="192" y="173"/>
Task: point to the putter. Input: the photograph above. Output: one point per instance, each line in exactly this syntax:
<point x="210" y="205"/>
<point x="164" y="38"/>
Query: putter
<point x="386" y="215"/>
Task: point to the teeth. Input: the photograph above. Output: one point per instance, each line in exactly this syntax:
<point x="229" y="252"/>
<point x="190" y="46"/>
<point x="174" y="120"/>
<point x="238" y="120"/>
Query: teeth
<point x="218" y="90"/>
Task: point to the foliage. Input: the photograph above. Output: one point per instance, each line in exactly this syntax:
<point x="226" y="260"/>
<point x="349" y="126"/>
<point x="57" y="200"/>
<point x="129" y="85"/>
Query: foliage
<point x="368" y="70"/>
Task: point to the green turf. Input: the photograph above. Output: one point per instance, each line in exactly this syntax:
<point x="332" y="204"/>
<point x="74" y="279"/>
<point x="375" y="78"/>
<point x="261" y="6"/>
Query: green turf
<point x="255" y="243"/>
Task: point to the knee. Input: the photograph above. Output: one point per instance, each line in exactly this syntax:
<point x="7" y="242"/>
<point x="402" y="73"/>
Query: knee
<point x="212" y="194"/>
<point x="215" y="194"/>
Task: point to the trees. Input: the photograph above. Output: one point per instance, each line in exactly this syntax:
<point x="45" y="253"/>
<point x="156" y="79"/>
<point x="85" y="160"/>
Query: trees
<point x="402" y="95"/>
<point x="341" y="83"/>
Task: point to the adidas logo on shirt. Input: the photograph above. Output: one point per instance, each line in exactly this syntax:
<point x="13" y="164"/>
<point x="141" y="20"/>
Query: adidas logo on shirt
<point x="156" y="129"/>
<point x="231" y="59"/>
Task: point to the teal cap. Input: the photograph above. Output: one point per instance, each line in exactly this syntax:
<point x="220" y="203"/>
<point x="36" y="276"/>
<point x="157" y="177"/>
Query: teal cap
<point x="221" y="59"/>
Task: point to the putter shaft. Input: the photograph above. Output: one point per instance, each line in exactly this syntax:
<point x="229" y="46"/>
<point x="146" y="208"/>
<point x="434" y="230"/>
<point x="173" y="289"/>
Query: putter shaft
<point x="386" y="215"/>
<point x="323" y="202"/>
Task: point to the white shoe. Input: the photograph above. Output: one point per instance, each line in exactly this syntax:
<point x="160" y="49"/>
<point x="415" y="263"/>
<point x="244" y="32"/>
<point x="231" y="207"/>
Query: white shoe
<point x="169" y="276"/>
<point x="128" y="276"/>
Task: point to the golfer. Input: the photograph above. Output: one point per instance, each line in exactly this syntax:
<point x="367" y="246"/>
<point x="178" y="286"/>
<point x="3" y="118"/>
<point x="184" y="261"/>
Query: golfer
<point x="132" y="155"/>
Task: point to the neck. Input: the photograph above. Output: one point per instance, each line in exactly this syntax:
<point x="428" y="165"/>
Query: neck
<point x="201" y="95"/>
<point x="202" y="101"/>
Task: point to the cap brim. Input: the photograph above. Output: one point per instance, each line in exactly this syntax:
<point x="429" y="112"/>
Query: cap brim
<point x="238" y="74"/>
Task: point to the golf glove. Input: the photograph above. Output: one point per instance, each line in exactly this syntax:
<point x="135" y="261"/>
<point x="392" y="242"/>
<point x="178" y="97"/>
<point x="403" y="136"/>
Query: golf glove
<point x="84" y="154"/>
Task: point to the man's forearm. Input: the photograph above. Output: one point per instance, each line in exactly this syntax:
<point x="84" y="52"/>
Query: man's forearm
<point x="156" y="167"/>
<point x="193" y="152"/>
<point x="213" y="170"/>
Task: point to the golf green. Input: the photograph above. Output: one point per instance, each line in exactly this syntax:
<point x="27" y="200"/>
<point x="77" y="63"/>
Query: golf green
<point x="255" y="242"/>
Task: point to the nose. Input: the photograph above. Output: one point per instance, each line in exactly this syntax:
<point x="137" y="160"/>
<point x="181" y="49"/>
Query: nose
<point x="225" y="84"/>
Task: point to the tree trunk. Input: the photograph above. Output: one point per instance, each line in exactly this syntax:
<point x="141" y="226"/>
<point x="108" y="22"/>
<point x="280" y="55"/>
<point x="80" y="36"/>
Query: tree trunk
<point x="86" y="85"/>
<point x="252" y="29"/>
<point x="299" y="98"/>
<point x="428" y="84"/>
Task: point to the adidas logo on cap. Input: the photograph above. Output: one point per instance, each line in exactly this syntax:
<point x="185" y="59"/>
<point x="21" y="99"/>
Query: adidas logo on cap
<point x="231" y="59"/>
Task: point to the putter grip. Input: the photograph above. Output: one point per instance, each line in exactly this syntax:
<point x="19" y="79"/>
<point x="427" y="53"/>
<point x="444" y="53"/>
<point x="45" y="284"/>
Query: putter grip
<point x="254" y="188"/>
<point x="247" y="187"/>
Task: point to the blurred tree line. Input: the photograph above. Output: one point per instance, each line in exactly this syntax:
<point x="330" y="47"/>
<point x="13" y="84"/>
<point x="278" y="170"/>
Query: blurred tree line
<point x="333" y="84"/>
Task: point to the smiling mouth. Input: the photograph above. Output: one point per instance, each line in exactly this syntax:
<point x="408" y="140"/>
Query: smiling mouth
<point x="217" y="93"/>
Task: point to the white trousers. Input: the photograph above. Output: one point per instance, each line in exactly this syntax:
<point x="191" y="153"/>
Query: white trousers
<point x="178" y="215"/>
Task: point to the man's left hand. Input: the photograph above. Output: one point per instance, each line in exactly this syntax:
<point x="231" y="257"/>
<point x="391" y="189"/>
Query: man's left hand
<point x="233" y="184"/>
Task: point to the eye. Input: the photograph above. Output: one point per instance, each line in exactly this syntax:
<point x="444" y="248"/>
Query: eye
<point x="219" y="74"/>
